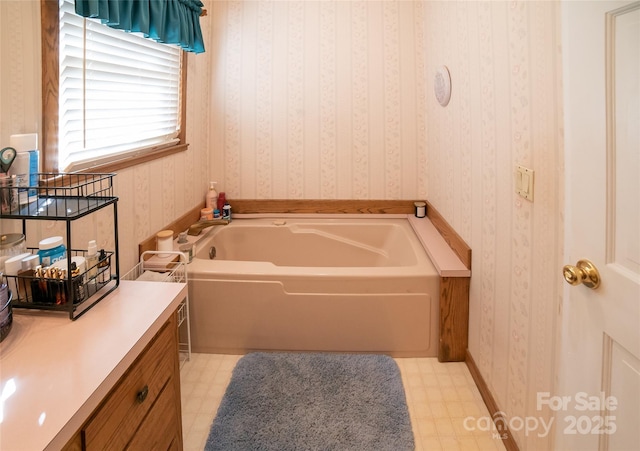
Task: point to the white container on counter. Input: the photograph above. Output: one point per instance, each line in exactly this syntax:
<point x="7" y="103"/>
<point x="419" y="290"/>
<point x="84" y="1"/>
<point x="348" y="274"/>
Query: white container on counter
<point x="11" y="244"/>
<point x="11" y="268"/>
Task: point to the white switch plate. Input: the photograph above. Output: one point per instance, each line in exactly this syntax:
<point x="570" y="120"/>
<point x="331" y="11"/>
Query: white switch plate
<point x="524" y="182"/>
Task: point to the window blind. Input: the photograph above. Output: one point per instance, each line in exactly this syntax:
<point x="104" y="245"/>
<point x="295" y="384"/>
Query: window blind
<point x="119" y="93"/>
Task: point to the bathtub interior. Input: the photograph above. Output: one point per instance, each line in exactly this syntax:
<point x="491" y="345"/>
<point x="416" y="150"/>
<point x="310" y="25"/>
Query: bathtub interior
<point x="312" y="244"/>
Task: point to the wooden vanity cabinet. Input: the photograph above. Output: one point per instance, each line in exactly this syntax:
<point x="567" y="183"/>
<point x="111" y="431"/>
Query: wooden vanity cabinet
<point x="142" y="411"/>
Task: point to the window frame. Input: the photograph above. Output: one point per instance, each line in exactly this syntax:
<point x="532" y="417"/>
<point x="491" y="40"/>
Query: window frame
<point x="50" y="27"/>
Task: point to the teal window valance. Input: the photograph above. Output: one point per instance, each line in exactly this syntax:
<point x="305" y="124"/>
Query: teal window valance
<point x="165" y="21"/>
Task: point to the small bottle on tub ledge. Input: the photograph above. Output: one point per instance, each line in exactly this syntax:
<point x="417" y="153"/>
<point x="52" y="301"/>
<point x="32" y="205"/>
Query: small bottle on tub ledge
<point x="226" y="212"/>
<point x="222" y="199"/>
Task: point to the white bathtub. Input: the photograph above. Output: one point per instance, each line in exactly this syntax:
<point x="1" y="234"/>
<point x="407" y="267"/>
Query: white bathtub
<point x="307" y="284"/>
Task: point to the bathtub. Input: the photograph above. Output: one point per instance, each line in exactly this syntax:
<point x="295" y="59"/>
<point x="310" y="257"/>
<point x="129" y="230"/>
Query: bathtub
<point x="309" y="284"/>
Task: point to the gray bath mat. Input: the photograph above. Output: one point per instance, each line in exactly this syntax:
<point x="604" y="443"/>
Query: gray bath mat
<point x="313" y="401"/>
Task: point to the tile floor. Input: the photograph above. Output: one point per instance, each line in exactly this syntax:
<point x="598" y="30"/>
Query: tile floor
<point x="439" y="395"/>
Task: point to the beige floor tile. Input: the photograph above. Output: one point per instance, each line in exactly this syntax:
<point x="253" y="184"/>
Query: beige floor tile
<point x="489" y="444"/>
<point x="413" y="380"/>
<point x="471" y="408"/>
<point x="459" y="380"/>
<point x="467" y="394"/>
<point x="450" y="395"/>
<point x="420" y="410"/>
<point x="429" y="380"/>
<point x="435" y="395"/>
<point x="444" y="380"/>
<point x="431" y="444"/>
<point x="427" y="428"/>
<point x="193" y="405"/>
<point x="440" y="368"/>
<point x="444" y="426"/>
<point x="409" y="366"/>
<point x="450" y="444"/>
<point x="439" y="410"/>
<point x="460" y="427"/>
<point x="468" y="444"/>
<point x="455" y="409"/>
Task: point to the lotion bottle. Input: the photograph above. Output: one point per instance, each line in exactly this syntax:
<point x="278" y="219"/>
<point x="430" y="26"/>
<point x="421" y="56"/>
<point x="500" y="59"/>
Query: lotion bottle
<point x="211" y="199"/>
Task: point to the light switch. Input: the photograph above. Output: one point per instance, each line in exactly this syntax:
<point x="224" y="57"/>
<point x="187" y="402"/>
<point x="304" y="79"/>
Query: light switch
<point x="524" y="182"/>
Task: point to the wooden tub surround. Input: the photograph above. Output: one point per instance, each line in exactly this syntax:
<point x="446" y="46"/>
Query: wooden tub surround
<point x="448" y="251"/>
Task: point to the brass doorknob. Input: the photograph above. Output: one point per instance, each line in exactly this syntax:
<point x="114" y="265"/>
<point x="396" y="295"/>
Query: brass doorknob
<point x="584" y="272"/>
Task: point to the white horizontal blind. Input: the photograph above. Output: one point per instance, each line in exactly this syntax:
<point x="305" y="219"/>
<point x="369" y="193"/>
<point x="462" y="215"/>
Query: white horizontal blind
<point x="119" y="93"/>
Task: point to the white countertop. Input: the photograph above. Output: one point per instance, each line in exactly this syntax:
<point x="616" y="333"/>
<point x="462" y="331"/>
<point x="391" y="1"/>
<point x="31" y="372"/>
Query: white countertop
<point x="54" y="372"/>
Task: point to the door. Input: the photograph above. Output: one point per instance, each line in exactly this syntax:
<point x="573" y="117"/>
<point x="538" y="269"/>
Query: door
<point x="598" y="401"/>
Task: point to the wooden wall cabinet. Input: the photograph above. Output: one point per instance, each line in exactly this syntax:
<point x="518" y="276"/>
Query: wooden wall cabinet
<point x="142" y="410"/>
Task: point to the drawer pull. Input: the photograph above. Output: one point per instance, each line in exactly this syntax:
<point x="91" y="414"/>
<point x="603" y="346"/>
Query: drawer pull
<point x="142" y="394"/>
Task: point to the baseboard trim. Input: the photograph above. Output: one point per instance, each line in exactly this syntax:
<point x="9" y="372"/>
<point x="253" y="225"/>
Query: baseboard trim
<point x="496" y="414"/>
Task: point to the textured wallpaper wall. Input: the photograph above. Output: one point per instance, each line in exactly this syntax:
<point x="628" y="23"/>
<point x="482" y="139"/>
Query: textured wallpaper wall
<point x="319" y="99"/>
<point x="505" y="109"/>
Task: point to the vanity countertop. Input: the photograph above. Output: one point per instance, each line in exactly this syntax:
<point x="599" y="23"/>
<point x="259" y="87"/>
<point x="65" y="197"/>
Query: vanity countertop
<point x="54" y="372"/>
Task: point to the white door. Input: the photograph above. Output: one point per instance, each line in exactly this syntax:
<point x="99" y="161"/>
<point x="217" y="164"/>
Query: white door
<point x="599" y="358"/>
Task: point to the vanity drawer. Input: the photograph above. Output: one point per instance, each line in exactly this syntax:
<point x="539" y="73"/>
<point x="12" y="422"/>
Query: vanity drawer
<point x="118" y="419"/>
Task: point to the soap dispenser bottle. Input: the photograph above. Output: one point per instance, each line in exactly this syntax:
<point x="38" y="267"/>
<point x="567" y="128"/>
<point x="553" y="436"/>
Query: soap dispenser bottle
<point x="211" y="198"/>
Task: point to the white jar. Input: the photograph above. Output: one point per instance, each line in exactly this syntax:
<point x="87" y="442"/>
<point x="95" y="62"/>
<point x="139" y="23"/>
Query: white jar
<point x="164" y="242"/>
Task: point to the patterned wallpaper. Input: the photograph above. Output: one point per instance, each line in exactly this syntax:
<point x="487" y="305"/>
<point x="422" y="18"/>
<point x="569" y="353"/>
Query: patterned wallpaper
<point x="505" y="110"/>
<point x="319" y="99"/>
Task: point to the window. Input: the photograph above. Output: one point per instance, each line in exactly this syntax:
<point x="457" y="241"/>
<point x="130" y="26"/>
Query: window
<point x="113" y="98"/>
